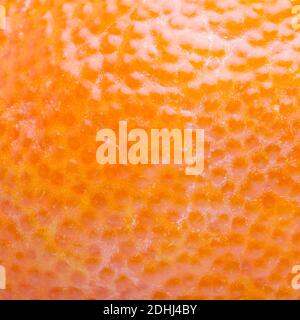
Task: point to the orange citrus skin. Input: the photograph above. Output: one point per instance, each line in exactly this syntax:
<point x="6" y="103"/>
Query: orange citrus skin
<point x="72" y="229"/>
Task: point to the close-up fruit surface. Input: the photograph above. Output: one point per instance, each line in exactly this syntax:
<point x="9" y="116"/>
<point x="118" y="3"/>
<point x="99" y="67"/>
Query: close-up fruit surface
<point x="73" y="229"/>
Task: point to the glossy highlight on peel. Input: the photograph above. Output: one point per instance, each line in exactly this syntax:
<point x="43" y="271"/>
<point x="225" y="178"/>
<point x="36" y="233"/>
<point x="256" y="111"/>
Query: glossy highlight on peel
<point x="2" y="18"/>
<point x="72" y="229"/>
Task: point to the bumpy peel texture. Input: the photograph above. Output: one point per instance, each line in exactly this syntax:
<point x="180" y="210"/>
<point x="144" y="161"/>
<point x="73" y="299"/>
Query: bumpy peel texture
<point x="70" y="228"/>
